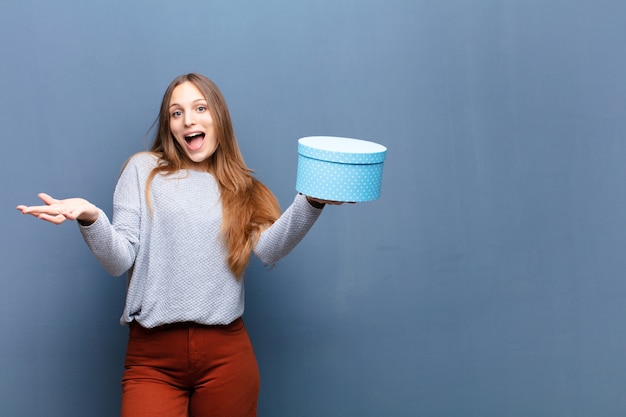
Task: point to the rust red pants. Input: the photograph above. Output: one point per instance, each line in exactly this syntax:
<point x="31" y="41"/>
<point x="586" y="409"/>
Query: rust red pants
<point x="190" y="370"/>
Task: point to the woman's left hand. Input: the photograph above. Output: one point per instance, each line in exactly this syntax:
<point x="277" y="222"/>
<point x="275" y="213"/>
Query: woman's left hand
<point x="331" y="202"/>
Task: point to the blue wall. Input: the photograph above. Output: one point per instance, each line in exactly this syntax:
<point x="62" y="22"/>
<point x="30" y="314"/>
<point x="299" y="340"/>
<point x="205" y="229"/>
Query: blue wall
<point x="487" y="281"/>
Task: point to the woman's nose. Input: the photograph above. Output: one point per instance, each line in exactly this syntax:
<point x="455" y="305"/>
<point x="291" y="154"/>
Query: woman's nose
<point x="189" y="118"/>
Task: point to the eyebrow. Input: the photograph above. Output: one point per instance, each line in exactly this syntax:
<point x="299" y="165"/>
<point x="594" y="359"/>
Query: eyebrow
<point x="193" y="102"/>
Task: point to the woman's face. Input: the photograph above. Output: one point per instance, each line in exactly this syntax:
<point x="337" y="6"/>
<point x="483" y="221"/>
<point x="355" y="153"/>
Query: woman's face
<point x="191" y="123"/>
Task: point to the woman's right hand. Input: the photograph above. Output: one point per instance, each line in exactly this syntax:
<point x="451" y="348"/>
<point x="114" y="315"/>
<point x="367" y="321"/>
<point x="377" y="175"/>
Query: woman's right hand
<point x="57" y="211"/>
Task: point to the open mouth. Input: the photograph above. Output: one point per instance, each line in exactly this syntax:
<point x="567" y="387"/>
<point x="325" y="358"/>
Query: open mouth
<point x="194" y="140"/>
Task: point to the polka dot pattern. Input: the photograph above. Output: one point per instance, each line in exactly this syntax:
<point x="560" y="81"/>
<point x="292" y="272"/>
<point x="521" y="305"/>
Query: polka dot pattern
<point x="339" y="176"/>
<point x="376" y="156"/>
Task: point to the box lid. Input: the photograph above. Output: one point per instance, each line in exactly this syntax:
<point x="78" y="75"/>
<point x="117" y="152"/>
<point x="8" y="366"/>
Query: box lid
<point x="343" y="150"/>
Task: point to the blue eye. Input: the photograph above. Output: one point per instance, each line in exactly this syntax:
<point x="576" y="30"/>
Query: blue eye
<point x="177" y="113"/>
<point x="201" y="108"/>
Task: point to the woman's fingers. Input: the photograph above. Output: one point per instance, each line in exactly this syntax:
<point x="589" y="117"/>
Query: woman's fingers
<point x="47" y="199"/>
<point x="57" y="211"/>
<point x="43" y="213"/>
<point x="56" y="219"/>
<point x="52" y="211"/>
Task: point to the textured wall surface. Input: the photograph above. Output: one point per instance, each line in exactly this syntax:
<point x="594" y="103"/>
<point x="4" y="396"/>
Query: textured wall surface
<point x="488" y="279"/>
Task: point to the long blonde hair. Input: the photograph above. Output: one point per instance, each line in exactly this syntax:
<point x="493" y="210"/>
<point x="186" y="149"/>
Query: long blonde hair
<point x="248" y="206"/>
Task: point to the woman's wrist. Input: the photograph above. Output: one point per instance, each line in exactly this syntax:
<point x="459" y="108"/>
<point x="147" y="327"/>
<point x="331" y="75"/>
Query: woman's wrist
<point x="315" y="203"/>
<point x="89" y="217"/>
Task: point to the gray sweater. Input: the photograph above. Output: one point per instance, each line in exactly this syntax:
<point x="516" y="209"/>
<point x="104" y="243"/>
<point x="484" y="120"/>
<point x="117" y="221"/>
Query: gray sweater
<point x="174" y="256"/>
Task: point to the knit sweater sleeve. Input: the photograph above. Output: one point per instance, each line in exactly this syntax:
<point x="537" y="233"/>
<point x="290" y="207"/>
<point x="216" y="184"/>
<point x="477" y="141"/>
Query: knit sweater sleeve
<point x="115" y="243"/>
<point x="280" y="238"/>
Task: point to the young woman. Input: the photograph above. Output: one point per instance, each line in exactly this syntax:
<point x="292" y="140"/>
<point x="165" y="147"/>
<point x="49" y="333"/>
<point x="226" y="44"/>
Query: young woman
<point x="186" y="217"/>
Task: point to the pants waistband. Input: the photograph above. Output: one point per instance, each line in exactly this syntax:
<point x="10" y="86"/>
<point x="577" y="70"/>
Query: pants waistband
<point x="188" y="325"/>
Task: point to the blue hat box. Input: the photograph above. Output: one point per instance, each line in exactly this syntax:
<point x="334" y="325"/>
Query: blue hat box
<point x="340" y="169"/>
